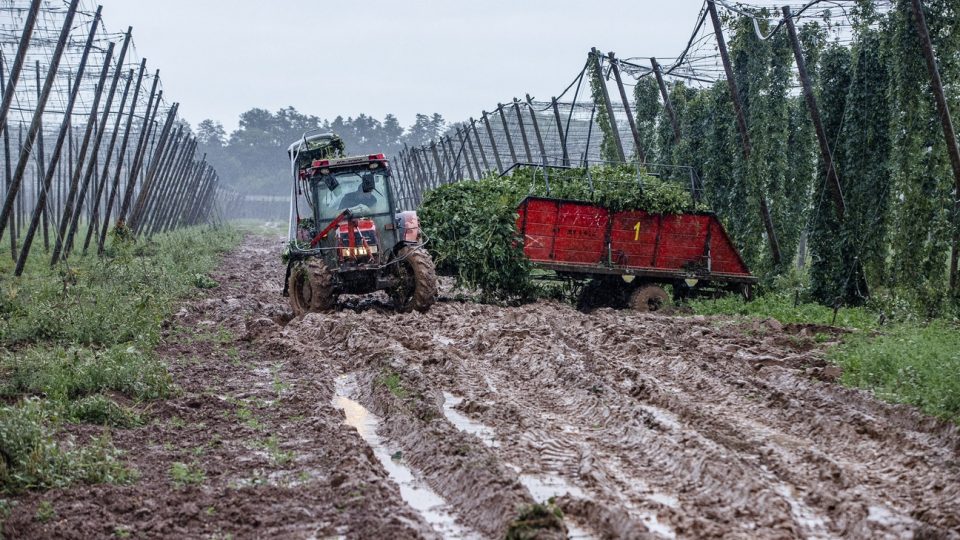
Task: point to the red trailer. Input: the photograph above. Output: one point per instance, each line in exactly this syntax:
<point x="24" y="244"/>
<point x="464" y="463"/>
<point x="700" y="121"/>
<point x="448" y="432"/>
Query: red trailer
<point x="631" y="255"/>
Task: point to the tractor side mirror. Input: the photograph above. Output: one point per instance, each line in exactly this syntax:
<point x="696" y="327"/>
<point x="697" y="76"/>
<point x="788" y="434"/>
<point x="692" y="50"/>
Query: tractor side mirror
<point x="331" y="182"/>
<point x="367" y="183"/>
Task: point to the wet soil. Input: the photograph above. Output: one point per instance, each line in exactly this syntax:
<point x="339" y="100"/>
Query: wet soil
<point x="362" y="423"/>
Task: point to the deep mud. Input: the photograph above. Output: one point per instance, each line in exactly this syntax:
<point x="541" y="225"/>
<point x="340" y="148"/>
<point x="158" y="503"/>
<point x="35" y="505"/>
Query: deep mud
<point x="634" y="425"/>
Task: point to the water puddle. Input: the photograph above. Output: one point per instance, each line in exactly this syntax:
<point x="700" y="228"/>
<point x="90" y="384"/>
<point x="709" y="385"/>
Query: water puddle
<point x="546" y="487"/>
<point x="416" y="493"/>
<point x="484" y="433"/>
<point x="664" y="499"/>
<point x="542" y="487"/>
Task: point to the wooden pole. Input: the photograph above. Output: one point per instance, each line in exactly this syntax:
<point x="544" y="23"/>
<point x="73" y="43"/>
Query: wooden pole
<point x="476" y="173"/>
<point x="626" y="107"/>
<point x="92" y="167"/>
<point x="667" y="102"/>
<point x="454" y="161"/>
<point x="167" y="209"/>
<point x="178" y="183"/>
<point x="10" y="86"/>
<point x="165" y="175"/>
<point x="493" y="143"/>
<point x="8" y="172"/>
<point x="614" y="131"/>
<point x="105" y="166"/>
<point x="506" y="131"/>
<point x="41" y="167"/>
<point x="563" y="138"/>
<point x="948" y="132"/>
<point x="41" y="201"/>
<point x="523" y="130"/>
<point x="744" y="133"/>
<point x="123" y="152"/>
<point x="469" y="148"/>
<point x="536" y="129"/>
<point x="157" y="158"/>
<point x="37" y="123"/>
<point x="153" y="104"/>
<point x="833" y="180"/>
<point x="476" y="136"/>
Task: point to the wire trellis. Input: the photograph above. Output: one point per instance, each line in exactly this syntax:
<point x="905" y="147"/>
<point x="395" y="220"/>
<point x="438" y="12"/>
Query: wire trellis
<point x="90" y="141"/>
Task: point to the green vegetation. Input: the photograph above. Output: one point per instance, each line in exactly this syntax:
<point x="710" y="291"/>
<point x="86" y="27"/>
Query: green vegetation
<point x="278" y="456"/>
<point x="45" y="511"/>
<point x="182" y="474"/>
<point x="874" y="98"/>
<point x="918" y="364"/>
<point x="535" y="518"/>
<point x="785" y="309"/>
<point x="35" y="459"/>
<point x="78" y="338"/>
<point x="892" y="351"/>
<point x="394" y="384"/>
<point x="472" y="226"/>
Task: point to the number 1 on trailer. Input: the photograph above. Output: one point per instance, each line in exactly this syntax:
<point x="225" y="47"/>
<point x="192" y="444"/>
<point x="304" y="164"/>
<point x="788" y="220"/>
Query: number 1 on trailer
<point x="636" y="227"/>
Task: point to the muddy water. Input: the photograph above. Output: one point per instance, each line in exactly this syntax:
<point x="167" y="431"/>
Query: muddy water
<point x="545" y="487"/>
<point x="417" y="494"/>
<point x="542" y="488"/>
<point x="655" y="426"/>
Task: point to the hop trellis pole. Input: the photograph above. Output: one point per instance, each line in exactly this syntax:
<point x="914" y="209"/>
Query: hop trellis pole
<point x="85" y="158"/>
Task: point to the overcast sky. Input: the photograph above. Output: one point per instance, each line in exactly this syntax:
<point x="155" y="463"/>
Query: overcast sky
<point x="220" y="58"/>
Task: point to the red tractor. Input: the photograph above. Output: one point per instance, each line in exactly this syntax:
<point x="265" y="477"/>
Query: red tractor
<point x="346" y="234"/>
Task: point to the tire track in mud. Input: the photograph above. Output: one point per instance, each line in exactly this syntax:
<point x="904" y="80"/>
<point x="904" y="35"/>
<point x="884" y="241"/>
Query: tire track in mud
<point x="662" y="426"/>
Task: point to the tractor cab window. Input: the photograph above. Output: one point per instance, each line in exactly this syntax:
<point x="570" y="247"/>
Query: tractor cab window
<point x="348" y="193"/>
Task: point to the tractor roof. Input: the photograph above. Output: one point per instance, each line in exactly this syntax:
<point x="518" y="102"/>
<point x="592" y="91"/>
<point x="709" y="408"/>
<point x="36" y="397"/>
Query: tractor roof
<point x="348" y="161"/>
<point x="314" y="142"/>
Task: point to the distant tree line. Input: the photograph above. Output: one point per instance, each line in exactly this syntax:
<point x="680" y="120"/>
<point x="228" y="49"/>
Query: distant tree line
<point x="252" y="159"/>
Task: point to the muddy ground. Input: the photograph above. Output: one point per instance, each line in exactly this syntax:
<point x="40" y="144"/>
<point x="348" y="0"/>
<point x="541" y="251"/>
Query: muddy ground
<point x="366" y="424"/>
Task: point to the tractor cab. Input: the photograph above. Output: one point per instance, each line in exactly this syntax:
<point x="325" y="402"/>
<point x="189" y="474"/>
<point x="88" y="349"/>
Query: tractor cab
<point x="350" y="195"/>
<point x="346" y="236"/>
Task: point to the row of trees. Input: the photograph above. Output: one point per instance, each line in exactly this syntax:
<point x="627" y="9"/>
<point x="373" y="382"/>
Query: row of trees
<point x="252" y="159"/>
<point x="883" y="127"/>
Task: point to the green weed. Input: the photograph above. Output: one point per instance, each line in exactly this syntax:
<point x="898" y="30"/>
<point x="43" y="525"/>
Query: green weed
<point x="102" y="410"/>
<point x="535" y="518"/>
<point x="278" y="456"/>
<point x="909" y="363"/>
<point x="394" y="385"/>
<point x="783" y="308"/>
<point x="203" y="281"/>
<point x="34" y="459"/>
<point x="45" y="512"/>
<point x="183" y="474"/>
<point x="79" y="331"/>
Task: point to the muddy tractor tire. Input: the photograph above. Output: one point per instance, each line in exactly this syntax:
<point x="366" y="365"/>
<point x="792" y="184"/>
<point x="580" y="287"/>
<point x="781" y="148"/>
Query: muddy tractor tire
<point x="417" y="287"/>
<point x="649" y="298"/>
<point x="311" y="287"/>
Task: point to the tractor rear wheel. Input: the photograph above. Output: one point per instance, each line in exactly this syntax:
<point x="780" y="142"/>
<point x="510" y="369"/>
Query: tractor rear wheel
<point x="649" y="298"/>
<point x="417" y="287"/>
<point x="311" y="287"/>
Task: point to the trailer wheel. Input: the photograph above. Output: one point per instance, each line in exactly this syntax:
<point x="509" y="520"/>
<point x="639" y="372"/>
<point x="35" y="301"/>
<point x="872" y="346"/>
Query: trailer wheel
<point x="417" y="287"/>
<point x="649" y="298"/>
<point x="311" y="287"/>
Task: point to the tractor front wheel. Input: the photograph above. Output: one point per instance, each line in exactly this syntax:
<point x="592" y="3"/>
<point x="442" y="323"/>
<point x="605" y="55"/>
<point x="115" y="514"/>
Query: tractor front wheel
<point x="311" y="287"/>
<point x="417" y="281"/>
<point x="649" y="298"/>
